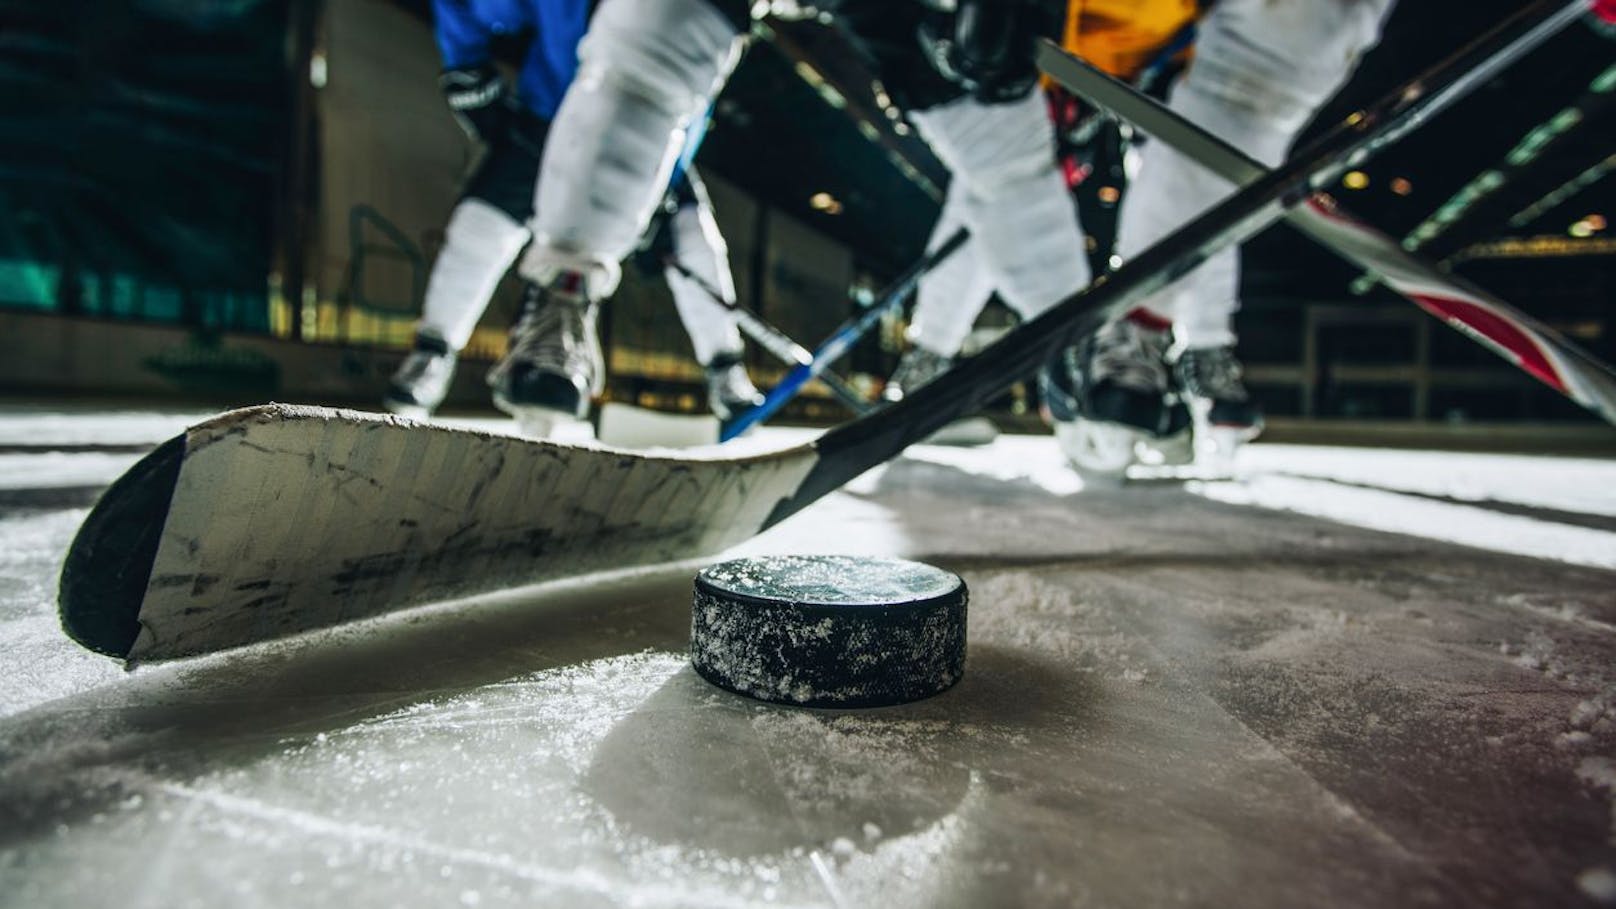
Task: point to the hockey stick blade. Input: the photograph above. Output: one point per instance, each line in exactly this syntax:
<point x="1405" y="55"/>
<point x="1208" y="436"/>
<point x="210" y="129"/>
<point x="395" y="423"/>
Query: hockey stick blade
<point x="271" y="520"/>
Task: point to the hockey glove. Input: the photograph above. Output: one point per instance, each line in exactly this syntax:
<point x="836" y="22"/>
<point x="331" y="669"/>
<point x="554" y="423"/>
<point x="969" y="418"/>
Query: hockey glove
<point x="988" y="53"/>
<point x="476" y="98"/>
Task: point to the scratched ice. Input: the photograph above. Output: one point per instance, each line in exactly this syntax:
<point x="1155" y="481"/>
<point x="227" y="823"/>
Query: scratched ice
<point x="1300" y="690"/>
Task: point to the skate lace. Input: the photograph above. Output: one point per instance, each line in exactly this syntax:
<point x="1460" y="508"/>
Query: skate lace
<point x="918" y="367"/>
<point x="553" y="333"/>
<point x="1212" y="373"/>
<point x="1130" y="356"/>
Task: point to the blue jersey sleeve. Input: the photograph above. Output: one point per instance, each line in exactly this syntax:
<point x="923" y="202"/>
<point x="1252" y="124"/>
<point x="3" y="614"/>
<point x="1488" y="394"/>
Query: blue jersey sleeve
<point x="552" y="58"/>
<point x="462" y="36"/>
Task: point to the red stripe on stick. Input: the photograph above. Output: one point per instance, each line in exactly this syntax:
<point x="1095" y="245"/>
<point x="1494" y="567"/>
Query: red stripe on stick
<point x="1482" y="321"/>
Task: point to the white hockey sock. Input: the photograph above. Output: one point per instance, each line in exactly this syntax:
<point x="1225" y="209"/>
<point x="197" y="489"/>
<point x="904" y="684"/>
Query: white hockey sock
<point x="479" y="244"/>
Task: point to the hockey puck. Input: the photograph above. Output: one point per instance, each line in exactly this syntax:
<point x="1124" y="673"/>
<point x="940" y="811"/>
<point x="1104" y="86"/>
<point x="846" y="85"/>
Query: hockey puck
<point x="829" y="631"/>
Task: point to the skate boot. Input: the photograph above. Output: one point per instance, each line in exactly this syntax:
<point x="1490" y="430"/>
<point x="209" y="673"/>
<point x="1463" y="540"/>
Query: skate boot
<point x="1210" y="378"/>
<point x="555" y="364"/>
<point x="422" y="380"/>
<point x="729" y="389"/>
<point x="918" y="367"/>
<point x="1107" y="399"/>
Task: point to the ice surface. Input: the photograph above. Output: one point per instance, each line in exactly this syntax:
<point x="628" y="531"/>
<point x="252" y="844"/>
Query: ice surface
<point x="53" y="424"/>
<point x="1571" y="484"/>
<point x="1169" y="699"/>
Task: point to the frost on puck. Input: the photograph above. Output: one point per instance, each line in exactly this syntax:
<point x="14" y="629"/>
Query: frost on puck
<point x="829" y="631"/>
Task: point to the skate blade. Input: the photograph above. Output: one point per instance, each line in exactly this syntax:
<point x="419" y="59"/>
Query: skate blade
<point x="1101" y="453"/>
<point x="626" y="426"/>
<point x="1225" y="439"/>
<point x="1178" y="475"/>
<point x="532" y="422"/>
<point x="1177" y="450"/>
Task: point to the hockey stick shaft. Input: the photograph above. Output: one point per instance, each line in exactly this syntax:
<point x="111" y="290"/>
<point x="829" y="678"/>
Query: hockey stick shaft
<point x="772" y="339"/>
<point x="843" y="338"/>
<point x="1517" y="337"/>
<point x="849" y="450"/>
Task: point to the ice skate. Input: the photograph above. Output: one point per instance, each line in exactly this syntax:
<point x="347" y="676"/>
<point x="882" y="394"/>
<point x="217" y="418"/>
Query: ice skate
<point x="422" y="380"/>
<point x="918" y="367"/>
<point x="1225" y="416"/>
<point x="1107" y="399"/>
<point x="555" y="364"/>
<point x="730" y="391"/>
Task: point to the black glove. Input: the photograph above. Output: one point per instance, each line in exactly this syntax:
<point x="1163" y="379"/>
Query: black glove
<point x="476" y="97"/>
<point x="656" y="244"/>
<point x="985" y="47"/>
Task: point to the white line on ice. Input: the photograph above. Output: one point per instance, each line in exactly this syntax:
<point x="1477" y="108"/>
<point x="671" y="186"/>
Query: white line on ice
<point x="574" y="878"/>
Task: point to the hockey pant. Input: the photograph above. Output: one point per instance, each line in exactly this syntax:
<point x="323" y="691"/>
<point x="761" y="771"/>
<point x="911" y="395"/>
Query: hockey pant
<point x="1262" y="68"/>
<point x="1025" y="241"/>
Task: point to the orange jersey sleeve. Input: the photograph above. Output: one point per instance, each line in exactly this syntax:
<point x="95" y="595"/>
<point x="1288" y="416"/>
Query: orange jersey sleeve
<point x="1121" y="36"/>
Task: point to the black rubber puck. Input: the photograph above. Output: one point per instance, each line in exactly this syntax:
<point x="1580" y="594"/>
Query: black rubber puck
<point x="829" y="631"/>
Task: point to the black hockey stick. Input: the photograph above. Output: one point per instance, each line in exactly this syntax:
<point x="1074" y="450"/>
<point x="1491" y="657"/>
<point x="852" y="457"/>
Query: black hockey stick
<point x="849" y="450"/>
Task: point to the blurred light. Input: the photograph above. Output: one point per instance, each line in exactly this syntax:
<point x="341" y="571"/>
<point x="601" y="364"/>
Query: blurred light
<point x="1563" y="192"/>
<point x="808" y="73"/>
<point x="825" y="202"/>
<point x="1401" y="186"/>
<point x="1109" y="194"/>
<point x="1115" y="262"/>
<point x="1605" y="81"/>
<point x="1580" y="229"/>
<point x="1596" y="221"/>
<point x="317" y="70"/>
<point x="1355" y="179"/>
<point x="1533" y="143"/>
<point x="1541" y="247"/>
